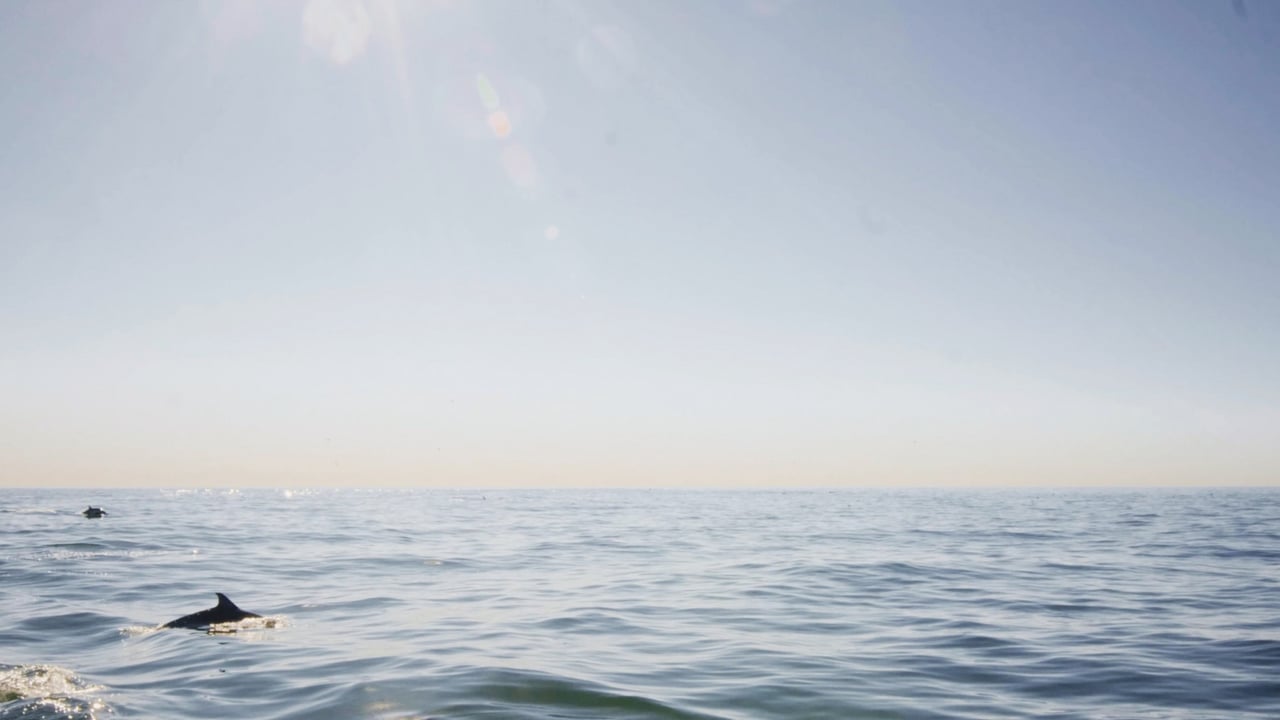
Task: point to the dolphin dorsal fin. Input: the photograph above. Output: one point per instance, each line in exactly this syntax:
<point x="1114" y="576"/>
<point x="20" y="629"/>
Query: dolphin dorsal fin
<point x="224" y="603"/>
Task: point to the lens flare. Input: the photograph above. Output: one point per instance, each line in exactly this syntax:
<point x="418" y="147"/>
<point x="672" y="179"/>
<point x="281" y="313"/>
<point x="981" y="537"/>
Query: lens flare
<point x="519" y="165"/>
<point x="488" y="96"/>
<point x="337" y="28"/>
<point x="500" y="124"/>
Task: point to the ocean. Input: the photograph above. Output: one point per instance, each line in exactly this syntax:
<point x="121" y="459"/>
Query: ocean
<point x="673" y="604"/>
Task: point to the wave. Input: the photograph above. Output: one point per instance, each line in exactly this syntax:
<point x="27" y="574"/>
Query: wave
<point x="46" y="692"/>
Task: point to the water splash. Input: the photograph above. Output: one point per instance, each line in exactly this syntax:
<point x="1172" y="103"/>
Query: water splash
<point x="46" y="691"/>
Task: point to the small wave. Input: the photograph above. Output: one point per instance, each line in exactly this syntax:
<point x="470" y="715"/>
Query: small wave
<point x="138" y="630"/>
<point x="61" y="622"/>
<point x="62" y="552"/>
<point x="1077" y="567"/>
<point x="40" y="692"/>
<point x="79" y="546"/>
<point x="30" y="511"/>
<point x="516" y="693"/>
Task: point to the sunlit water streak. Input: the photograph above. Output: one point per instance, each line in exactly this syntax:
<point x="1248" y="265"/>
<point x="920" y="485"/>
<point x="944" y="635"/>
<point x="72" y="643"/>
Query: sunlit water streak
<point x="644" y="604"/>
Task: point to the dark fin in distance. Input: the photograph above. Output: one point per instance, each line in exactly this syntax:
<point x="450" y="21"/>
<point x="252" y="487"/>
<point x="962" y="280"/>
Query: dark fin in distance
<point x="224" y="612"/>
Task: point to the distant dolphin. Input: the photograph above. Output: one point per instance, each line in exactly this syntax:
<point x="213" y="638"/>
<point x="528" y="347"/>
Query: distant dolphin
<point x="94" y="512"/>
<point x="224" y="612"/>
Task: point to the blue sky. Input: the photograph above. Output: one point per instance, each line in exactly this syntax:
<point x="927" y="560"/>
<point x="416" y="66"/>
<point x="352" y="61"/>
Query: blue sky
<point x="639" y="243"/>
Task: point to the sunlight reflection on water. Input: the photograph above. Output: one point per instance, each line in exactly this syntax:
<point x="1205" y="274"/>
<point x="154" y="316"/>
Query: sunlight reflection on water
<point x="586" y="604"/>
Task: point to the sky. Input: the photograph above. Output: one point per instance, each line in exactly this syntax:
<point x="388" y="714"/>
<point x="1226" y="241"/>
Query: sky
<point x="730" y="243"/>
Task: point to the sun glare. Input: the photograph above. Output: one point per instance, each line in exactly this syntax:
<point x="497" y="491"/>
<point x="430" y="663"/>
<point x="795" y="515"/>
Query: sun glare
<point x="338" y="29"/>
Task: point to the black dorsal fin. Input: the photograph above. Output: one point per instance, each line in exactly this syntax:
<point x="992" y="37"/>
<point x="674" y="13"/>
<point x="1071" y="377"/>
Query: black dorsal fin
<point x="224" y="603"/>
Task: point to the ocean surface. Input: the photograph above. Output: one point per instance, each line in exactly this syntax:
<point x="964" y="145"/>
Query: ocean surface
<point x="643" y="604"/>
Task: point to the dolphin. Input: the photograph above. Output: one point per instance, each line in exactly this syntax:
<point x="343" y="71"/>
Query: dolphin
<point x="224" y="612"/>
<point x="93" y="512"/>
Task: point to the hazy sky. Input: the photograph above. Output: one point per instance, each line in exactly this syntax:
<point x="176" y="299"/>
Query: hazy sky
<point x="577" y="242"/>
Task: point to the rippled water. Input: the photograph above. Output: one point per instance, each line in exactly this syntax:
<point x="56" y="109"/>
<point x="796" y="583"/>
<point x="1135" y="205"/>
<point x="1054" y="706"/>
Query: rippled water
<point x="643" y="604"/>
